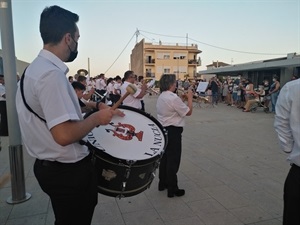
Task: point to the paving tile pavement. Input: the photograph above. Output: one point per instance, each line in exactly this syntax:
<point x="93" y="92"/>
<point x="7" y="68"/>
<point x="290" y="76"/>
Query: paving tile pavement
<point x="232" y="170"/>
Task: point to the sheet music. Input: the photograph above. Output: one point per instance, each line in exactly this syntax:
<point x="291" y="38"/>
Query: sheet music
<point x="202" y="87"/>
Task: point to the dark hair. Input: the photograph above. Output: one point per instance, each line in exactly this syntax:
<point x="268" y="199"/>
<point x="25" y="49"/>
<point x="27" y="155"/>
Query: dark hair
<point x="55" y="22"/>
<point x="109" y="80"/>
<point x="127" y="74"/>
<point x="140" y="78"/>
<point x="78" y="86"/>
<point x="166" y="81"/>
<point x="276" y="77"/>
<point x="250" y="81"/>
<point x="118" y="77"/>
<point x="81" y="78"/>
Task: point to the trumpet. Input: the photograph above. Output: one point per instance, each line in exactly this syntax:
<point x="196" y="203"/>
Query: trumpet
<point x="196" y="97"/>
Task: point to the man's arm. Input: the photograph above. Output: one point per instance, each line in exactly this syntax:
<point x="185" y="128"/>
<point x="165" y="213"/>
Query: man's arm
<point x="143" y="91"/>
<point x="72" y="131"/>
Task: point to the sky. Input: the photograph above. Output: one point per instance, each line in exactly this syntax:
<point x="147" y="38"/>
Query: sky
<point x="230" y="31"/>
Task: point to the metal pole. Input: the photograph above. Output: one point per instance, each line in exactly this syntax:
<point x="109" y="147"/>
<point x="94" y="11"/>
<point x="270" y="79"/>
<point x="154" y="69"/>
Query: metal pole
<point x="89" y="69"/>
<point x="10" y="75"/>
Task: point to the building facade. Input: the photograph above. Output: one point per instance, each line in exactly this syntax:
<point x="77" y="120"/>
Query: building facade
<point x="153" y="60"/>
<point x="21" y="65"/>
<point x="257" y="71"/>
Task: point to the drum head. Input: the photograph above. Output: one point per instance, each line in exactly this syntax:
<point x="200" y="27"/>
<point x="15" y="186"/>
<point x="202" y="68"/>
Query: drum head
<point x="136" y="136"/>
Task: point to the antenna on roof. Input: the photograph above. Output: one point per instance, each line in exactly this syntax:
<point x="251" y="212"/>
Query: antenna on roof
<point x="187" y="39"/>
<point x="137" y="35"/>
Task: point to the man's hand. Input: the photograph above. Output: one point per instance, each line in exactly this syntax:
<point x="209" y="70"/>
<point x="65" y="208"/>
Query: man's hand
<point x="190" y="94"/>
<point x="104" y="116"/>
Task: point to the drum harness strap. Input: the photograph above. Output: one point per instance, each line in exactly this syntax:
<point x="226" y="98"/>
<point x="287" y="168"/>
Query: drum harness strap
<point x="82" y="142"/>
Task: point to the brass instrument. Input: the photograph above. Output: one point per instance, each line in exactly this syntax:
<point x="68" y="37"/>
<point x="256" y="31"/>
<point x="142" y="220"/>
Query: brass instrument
<point x="82" y="72"/>
<point x="97" y="96"/>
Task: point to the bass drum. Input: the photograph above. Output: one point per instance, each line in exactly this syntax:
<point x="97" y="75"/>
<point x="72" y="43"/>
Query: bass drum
<point x="127" y="152"/>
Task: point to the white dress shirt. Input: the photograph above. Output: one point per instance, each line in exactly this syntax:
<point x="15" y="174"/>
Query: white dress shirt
<point x="171" y="110"/>
<point x="100" y="84"/>
<point x="49" y="94"/>
<point x="131" y="100"/>
<point x="287" y="120"/>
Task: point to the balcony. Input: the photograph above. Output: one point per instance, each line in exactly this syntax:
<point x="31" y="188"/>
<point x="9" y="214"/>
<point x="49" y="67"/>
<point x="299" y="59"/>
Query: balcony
<point x="194" y="62"/>
<point x="150" y="75"/>
<point x="150" y="61"/>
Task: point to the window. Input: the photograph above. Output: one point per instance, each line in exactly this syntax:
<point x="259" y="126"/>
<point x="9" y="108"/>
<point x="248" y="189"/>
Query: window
<point x="166" y="70"/>
<point x="163" y="55"/>
<point x="159" y="69"/>
<point x="179" y="69"/>
<point x="179" y="55"/>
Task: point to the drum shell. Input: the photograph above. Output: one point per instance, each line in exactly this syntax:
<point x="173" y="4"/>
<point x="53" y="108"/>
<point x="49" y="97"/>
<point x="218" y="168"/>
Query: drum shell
<point x="120" y="178"/>
<point x="123" y="177"/>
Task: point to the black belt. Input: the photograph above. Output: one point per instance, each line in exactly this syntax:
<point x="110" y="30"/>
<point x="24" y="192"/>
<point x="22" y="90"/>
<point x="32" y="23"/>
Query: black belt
<point x="173" y="127"/>
<point x="295" y="166"/>
<point x="60" y="164"/>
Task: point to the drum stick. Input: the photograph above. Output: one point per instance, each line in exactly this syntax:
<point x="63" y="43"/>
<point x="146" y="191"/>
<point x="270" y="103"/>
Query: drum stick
<point x="130" y="89"/>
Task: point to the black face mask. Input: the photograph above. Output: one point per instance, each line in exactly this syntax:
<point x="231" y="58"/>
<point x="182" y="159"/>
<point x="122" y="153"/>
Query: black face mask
<point x="73" y="54"/>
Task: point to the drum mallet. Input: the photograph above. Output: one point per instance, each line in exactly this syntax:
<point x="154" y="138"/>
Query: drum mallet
<point x="130" y="89"/>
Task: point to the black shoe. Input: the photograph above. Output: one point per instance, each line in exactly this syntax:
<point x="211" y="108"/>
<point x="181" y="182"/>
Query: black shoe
<point x="178" y="193"/>
<point x="161" y="186"/>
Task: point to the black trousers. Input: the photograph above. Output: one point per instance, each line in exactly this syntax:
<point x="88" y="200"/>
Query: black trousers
<point x="3" y="119"/>
<point x="170" y="162"/>
<point x="143" y="105"/>
<point x="72" y="188"/>
<point x="291" y="196"/>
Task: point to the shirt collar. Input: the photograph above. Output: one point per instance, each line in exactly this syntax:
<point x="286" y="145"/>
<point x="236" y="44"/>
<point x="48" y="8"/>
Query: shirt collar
<point x="54" y="59"/>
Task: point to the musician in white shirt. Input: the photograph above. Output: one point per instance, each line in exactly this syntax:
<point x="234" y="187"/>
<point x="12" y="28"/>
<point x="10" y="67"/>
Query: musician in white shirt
<point x="171" y="111"/>
<point x="132" y="100"/>
<point x="101" y="86"/>
<point x="51" y="131"/>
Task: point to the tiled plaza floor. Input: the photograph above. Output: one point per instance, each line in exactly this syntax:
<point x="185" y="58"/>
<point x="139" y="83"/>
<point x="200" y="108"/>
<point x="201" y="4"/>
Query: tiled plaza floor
<point x="232" y="170"/>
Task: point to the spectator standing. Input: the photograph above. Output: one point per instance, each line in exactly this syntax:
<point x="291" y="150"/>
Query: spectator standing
<point x="274" y="92"/>
<point x="287" y="126"/>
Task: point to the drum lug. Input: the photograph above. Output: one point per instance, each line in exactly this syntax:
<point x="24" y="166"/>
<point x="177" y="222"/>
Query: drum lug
<point x="127" y="173"/>
<point x="153" y="175"/>
<point x="123" y="189"/>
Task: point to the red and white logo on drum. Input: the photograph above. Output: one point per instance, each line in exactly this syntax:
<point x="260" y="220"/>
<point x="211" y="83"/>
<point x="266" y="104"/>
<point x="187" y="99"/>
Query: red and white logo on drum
<point x="125" y="131"/>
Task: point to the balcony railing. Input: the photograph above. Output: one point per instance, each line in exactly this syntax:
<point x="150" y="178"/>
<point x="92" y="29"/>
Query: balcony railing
<point x="194" y="61"/>
<point x="150" y="61"/>
<point x="150" y="75"/>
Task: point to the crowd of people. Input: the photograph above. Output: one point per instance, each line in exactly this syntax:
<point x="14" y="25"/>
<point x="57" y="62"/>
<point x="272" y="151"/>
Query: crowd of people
<point x="240" y="92"/>
<point x="91" y="91"/>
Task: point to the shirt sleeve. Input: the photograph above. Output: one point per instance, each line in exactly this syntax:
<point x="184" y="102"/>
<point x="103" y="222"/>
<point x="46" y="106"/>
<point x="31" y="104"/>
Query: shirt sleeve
<point x="282" y="120"/>
<point x="180" y="107"/>
<point x="55" y="99"/>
